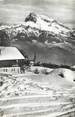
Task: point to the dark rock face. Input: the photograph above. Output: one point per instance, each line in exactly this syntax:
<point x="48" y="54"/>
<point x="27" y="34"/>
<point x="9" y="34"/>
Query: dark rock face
<point x="31" y="17"/>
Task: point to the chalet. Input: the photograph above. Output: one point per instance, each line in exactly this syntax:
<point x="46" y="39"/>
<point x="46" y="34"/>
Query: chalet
<point x="11" y="60"/>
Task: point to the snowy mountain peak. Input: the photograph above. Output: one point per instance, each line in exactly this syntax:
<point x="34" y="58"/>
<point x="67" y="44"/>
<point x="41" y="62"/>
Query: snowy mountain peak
<point x="35" y="17"/>
<point x="45" y="23"/>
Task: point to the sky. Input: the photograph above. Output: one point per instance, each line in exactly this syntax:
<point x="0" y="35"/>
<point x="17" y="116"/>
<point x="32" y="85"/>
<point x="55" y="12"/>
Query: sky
<point x="15" y="11"/>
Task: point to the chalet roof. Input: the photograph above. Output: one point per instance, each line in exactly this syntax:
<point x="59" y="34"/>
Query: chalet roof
<point x="10" y="53"/>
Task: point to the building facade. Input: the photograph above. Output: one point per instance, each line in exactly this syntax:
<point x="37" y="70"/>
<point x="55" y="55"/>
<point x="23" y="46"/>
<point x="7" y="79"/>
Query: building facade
<point x="11" y="60"/>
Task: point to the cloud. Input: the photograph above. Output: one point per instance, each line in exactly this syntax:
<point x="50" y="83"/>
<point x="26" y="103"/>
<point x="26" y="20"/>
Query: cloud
<point x="1" y="0"/>
<point x="16" y="10"/>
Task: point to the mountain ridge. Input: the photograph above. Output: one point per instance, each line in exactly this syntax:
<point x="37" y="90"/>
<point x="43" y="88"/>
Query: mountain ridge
<point x="39" y="32"/>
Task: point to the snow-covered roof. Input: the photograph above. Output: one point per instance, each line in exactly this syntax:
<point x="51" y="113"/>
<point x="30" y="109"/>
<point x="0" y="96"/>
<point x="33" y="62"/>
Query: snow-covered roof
<point x="10" y="53"/>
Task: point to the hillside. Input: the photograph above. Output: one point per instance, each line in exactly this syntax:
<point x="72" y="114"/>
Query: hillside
<point x="35" y="95"/>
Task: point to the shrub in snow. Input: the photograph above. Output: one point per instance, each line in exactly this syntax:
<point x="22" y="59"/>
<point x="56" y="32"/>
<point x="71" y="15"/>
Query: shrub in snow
<point x="36" y="71"/>
<point x="61" y="74"/>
